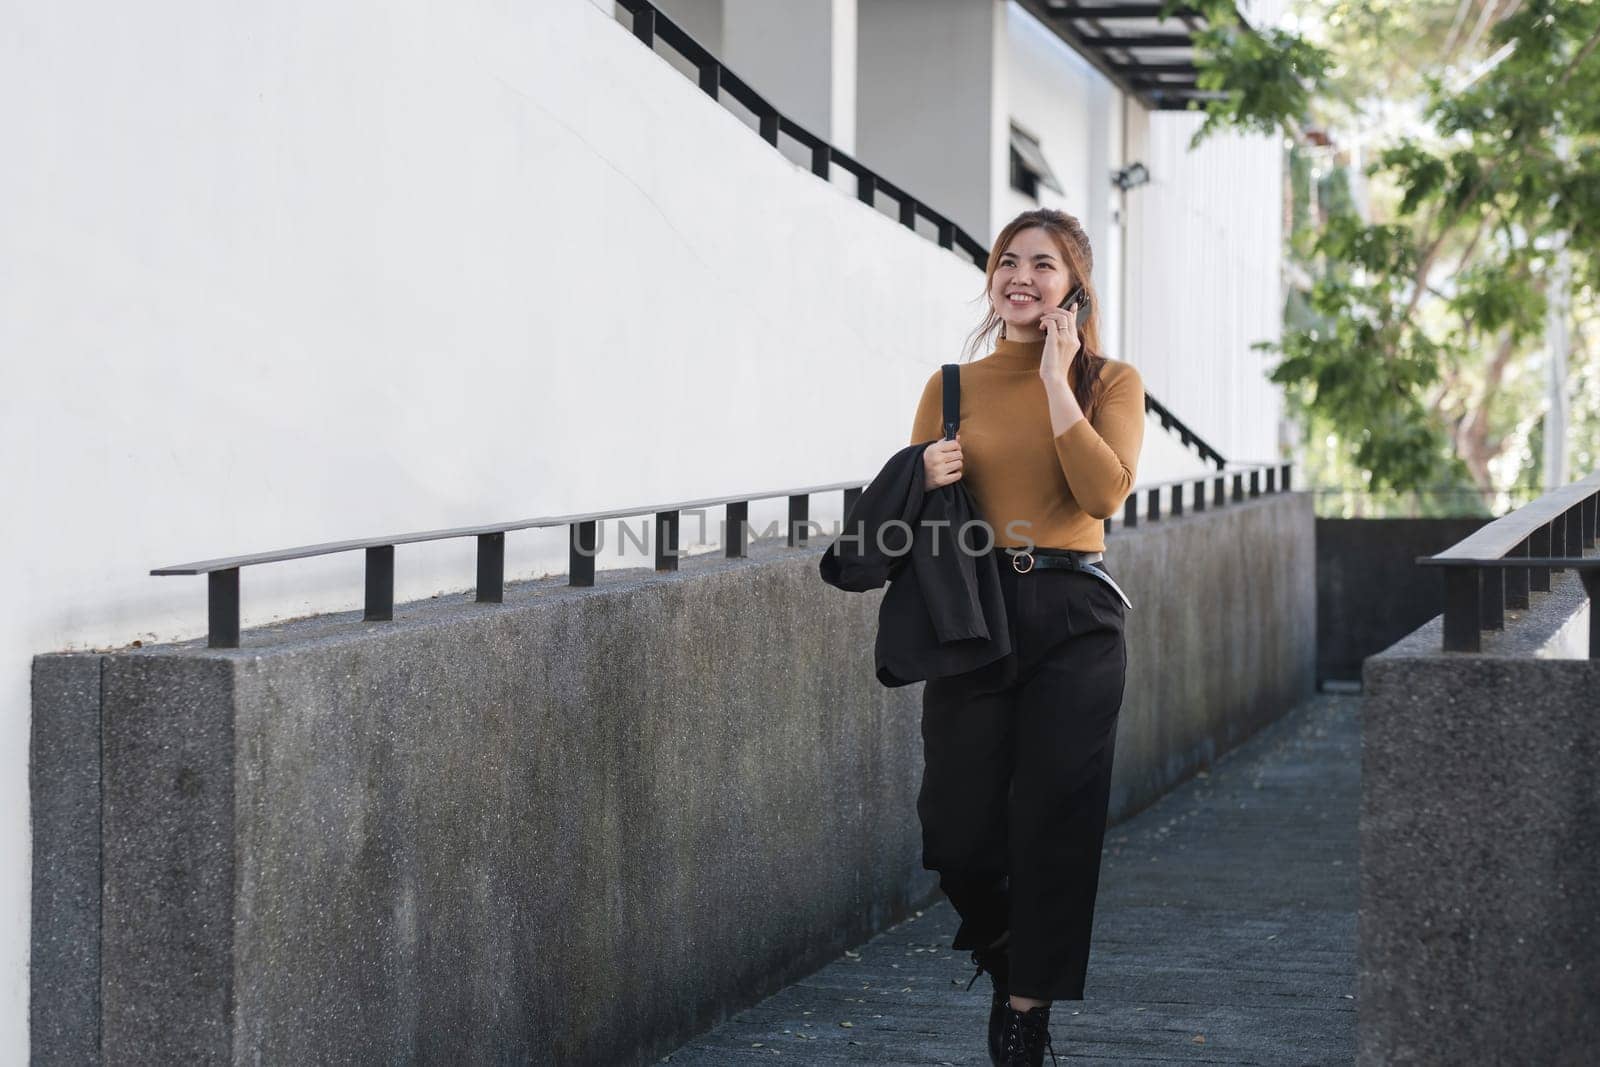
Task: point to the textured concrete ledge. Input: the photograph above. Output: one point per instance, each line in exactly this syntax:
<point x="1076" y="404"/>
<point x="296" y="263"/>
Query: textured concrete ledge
<point x="583" y="825"/>
<point x="1480" y="845"/>
<point x="64" y="757"/>
<point x="1221" y="639"/>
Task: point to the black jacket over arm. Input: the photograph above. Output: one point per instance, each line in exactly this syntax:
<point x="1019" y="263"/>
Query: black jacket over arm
<point x="944" y="612"/>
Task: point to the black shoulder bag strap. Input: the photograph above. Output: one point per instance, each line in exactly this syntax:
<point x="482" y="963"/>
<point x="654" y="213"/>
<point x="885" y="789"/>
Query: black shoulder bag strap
<point x="952" y="400"/>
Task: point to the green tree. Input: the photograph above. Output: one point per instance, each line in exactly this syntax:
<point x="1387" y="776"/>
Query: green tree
<point x="1414" y="336"/>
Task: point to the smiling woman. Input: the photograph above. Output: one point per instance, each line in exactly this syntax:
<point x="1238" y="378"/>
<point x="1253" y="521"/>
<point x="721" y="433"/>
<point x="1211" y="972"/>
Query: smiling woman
<point x="1051" y="429"/>
<point x="1018" y="754"/>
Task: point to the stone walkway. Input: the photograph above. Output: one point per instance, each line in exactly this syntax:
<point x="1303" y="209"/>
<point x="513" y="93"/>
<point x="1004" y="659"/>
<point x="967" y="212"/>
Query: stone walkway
<point x="1225" y="932"/>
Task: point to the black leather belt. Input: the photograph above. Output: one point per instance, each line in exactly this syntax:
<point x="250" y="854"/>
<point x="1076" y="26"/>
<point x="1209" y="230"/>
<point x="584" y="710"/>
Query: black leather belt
<point x="1025" y="560"/>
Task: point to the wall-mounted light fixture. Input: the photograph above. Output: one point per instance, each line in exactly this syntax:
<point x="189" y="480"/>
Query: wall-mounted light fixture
<point x="1131" y="175"/>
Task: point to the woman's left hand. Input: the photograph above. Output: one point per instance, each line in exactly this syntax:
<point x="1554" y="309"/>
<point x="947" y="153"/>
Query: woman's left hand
<point x="1061" y="344"/>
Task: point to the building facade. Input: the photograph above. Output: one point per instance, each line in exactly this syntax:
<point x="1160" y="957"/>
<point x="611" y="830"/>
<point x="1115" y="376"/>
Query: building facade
<point x="288" y="275"/>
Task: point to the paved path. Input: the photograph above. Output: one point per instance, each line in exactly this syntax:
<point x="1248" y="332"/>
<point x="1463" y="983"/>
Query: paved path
<point x="1225" y="933"/>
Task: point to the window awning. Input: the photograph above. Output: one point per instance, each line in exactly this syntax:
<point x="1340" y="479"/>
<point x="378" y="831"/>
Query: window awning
<point x="1150" y="57"/>
<point x="1026" y="146"/>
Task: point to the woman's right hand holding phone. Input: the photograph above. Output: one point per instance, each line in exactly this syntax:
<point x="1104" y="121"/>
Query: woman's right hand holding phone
<point x="941" y="462"/>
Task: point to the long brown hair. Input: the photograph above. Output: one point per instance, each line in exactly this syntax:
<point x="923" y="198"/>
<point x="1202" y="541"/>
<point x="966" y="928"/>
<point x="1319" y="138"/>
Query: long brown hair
<point x="1067" y="232"/>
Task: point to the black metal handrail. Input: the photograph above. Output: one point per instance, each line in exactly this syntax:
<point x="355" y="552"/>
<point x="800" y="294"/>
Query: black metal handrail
<point x="1501" y="563"/>
<point x="222" y="598"/>
<point x="222" y="575"/>
<point x="1172" y="424"/>
<point x="223" y="607"/>
<point x="1423" y="502"/>
<point x="650" y="23"/>
<point x="1271" y="473"/>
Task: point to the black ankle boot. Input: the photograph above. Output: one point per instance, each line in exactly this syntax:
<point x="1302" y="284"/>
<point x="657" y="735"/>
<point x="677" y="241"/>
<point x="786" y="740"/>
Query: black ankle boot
<point x="996" y="959"/>
<point x="1025" y="1036"/>
<point x="997" y="1023"/>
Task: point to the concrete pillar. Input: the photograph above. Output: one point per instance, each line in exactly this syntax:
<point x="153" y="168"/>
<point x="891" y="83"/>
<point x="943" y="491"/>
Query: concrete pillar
<point x="930" y="102"/>
<point x="800" y="55"/>
<point x="700" y="19"/>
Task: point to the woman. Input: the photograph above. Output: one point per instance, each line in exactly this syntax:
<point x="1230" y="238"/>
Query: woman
<point x="1017" y="754"/>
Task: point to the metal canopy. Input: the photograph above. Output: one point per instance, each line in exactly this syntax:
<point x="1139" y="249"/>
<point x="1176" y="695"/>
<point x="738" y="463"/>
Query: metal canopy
<point x="1026" y="146"/>
<point x="1147" y="56"/>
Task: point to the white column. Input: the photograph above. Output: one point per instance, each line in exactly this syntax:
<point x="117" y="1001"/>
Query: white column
<point x="800" y="55"/>
<point x="1556" y="345"/>
<point x="927" y="98"/>
<point x="700" y="19"/>
<point x="1557" y="308"/>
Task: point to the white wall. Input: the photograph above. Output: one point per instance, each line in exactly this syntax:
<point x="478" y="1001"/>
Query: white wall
<point x="1204" y="253"/>
<point x="1186" y="266"/>
<point x="280" y="274"/>
<point x="1077" y="115"/>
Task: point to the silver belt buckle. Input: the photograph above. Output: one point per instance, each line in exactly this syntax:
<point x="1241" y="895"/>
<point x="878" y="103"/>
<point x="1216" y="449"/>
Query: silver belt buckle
<point x="1016" y="562"/>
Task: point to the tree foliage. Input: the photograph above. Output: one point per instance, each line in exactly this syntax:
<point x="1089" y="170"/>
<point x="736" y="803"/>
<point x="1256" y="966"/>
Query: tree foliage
<point x="1419" y="321"/>
<point x="1267" y="75"/>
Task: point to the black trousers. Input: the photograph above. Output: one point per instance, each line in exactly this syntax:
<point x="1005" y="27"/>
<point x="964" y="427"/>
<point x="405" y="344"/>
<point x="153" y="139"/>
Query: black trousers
<point x="1017" y="777"/>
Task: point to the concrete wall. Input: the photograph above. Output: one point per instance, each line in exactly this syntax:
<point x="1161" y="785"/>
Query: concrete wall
<point x="1221" y="639"/>
<point x="1479" y="939"/>
<point x="278" y="275"/>
<point x="1370" y="591"/>
<point x="577" y="827"/>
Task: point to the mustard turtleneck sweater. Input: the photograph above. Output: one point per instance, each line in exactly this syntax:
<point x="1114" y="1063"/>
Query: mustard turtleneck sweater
<point x="1063" y="485"/>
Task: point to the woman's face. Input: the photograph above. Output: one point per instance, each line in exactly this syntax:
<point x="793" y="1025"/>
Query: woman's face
<point x="1031" y="268"/>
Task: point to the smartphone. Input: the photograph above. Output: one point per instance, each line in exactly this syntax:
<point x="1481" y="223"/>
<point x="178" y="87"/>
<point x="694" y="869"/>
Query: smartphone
<point x="1082" y="299"/>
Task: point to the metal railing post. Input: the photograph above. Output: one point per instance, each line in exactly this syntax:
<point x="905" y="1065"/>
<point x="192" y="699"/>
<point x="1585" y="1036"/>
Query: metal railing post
<point x="1461" y="612"/>
<point x="666" y="540"/>
<point x="222" y="608"/>
<point x="492" y="568"/>
<point x="736" y="539"/>
<point x="581" y="550"/>
<point x="799" y="511"/>
<point x="380" y="584"/>
<point x="1516" y="579"/>
<point x="1539" y="547"/>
